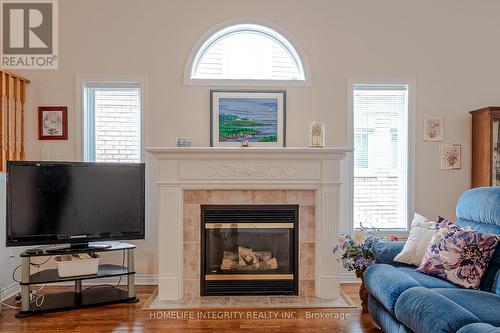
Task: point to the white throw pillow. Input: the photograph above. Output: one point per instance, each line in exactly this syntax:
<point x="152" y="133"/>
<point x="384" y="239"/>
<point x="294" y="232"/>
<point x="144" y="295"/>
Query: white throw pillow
<point x="421" y="232"/>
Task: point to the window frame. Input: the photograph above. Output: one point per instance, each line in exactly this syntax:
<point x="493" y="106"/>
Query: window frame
<point x="215" y="30"/>
<point x="411" y="83"/>
<point x="82" y="80"/>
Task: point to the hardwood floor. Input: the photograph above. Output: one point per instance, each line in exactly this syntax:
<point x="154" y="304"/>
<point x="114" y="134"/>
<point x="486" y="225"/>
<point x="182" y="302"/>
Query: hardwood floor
<point x="132" y="318"/>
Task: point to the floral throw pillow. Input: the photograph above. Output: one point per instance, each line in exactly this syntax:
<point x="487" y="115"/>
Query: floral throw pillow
<point x="458" y="255"/>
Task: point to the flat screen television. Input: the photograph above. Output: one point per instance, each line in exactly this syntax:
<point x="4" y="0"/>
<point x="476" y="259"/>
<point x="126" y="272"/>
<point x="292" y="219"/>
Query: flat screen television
<point x="74" y="202"/>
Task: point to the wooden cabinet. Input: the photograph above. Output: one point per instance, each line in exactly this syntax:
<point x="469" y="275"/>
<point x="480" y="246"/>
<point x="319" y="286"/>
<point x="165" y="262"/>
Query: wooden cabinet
<point x="486" y="147"/>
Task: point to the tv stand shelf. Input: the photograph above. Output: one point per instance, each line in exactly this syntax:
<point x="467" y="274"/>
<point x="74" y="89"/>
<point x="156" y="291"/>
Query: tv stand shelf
<point x="80" y="297"/>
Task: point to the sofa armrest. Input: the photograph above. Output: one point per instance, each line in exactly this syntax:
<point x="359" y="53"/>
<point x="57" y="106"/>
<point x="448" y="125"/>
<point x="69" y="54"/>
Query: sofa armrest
<point x="385" y="251"/>
<point x="479" y="328"/>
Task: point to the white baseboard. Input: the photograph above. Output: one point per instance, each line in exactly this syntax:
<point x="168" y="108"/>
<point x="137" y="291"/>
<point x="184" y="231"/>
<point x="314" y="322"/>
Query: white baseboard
<point x="348" y="277"/>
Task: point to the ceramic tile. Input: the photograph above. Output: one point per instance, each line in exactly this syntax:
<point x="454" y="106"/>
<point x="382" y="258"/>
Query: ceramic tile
<point x="250" y="301"/>
<point x="302" y="197"/>
<point x="307" y="223"/>
<point x="191" y="260"/>
<point x="268" y="197"/>
<point x="231" y="197"/>
<point x="191" y="288"/>
<point x="287" y="300"/>
<point x="211" y="301"/>
<point x="191" y="222"/>
<point x="306" y="288"/>
<point x="306" y="260"/>
<point x="197" y="197"/>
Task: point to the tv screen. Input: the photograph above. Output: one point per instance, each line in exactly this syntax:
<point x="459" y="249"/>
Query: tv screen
<point x="74" y="202"/>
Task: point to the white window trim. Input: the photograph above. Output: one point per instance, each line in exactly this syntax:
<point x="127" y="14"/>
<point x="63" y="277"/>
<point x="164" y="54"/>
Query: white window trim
<point x="98" y="79"/>
<point x="188" y="81"/>
<point x="411" y="83"/>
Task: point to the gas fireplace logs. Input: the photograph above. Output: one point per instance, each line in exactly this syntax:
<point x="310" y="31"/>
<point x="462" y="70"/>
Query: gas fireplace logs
<point x="248" y="259"/>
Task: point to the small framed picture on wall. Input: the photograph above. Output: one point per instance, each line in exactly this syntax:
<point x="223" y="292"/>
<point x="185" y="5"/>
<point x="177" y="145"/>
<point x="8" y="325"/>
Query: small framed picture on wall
<point x="53" y="123"/>
<point x="451" y="156"/>
<point x="433" y="128"/>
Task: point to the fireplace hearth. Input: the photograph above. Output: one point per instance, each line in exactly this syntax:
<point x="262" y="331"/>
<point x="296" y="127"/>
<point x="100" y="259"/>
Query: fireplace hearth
<point x="249" y="250"/>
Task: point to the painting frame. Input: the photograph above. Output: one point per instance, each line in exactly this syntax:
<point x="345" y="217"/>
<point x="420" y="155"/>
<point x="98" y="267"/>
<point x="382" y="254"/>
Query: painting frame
<point x="447" y="149"/>
<point x="62" y="130"/>
<point x="217" y="97"/>
<point x="429" y="122"/>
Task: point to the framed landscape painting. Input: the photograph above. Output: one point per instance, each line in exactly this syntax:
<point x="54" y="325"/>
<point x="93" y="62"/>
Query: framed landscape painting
<point x="255" y="117"/>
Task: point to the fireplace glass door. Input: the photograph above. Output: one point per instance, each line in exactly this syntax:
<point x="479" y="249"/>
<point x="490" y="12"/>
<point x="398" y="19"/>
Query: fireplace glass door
<point x="249" y="250"/>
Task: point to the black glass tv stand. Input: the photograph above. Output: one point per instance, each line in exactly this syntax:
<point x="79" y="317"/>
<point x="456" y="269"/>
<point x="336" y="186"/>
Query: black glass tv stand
<point x="81" y="247"/>
<point x="79" y="297"/>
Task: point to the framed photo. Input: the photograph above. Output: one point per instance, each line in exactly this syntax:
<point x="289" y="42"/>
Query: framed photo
<point x="433" y="129"/>
<point x="257" y="117"/>
<point x="53" y="123"/>
<point x="451" y="156"/>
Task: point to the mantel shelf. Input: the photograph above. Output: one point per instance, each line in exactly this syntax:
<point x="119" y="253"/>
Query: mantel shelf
<point x="268" y="152"/>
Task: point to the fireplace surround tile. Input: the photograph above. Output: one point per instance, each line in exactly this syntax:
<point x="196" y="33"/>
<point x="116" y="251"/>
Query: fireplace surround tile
<point x="193" y="199"/>
<point x="307" y="218"/>
<point x="306" y="260"/>
<point x="191" y="260"/>
<point x="197" y="197"/>
<point x="231" y="197"/>
<point x="191" y="288"/>
<point x="301" y="197"/>
<point x="191" y="222"/>
<point x="306" y="287"/>
<point x="268" y="197"/>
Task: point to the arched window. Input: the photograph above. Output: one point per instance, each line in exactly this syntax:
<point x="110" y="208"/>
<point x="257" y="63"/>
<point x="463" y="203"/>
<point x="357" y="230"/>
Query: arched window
<point x="246" y="52"/>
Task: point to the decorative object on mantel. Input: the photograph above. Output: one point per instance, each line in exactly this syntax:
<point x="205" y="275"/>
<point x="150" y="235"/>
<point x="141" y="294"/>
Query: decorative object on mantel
<point x="451" y="156"/>
<point x="256" y="116"/>
<point x="183" y="142"/>
<point x="53" y="123"/>
<point x="433" y="128"/>
<point x="317" y="133"/>
<point x="12" y="102"/>
<point x="245" y="144"/>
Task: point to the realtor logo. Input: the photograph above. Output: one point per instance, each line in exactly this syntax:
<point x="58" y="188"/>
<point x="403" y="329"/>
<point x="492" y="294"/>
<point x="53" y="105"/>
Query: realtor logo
<point x="29" y="34"/>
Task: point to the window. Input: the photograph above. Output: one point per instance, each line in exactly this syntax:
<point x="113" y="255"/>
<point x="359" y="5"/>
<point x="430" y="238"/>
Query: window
<point x="112" y="118"/>
<point x="381" y="155"/>
<point x="246" y="52"/>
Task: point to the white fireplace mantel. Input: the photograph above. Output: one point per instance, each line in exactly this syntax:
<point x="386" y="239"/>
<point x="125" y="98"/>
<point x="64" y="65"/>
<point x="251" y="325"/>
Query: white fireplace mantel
<point x="320" y="169"/>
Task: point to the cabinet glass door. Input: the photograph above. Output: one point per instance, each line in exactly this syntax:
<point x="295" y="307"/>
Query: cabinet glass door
<point x="495" y="165"/>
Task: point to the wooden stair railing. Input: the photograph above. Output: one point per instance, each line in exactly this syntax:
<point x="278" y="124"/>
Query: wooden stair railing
<point x="12" y="105"/>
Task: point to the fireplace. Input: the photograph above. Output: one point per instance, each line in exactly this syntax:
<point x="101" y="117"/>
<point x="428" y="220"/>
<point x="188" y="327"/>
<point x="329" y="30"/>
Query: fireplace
<point x="249" y="250"/>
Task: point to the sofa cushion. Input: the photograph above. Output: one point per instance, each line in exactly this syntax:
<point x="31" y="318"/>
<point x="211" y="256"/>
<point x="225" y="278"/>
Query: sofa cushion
<point x="479" y="208"/>
<point x="424" y="310"/>
<point x="421" y="232"/>
<point x="426" y="280"/>
<point x="496" y="284"/>
<point x="479" y="328"/>
<point x="384" y="319"/>
<point x="385" y="251"/>
<point x="459" y="255"/>
<point x="386" y="283"/>
<point x="482" y="304"/>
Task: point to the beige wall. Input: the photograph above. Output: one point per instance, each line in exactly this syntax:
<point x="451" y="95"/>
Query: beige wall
<point x="451" y="47"/>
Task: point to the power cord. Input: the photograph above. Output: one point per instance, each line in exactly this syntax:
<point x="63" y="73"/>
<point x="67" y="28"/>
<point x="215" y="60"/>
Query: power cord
<point x="107" y="284"/>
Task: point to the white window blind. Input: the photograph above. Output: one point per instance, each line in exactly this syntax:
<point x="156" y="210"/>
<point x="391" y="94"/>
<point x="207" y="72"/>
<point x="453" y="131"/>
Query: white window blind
<point x="112" y="122"/>
<point x="247" y="52"/>
<point x="380" y="156"/>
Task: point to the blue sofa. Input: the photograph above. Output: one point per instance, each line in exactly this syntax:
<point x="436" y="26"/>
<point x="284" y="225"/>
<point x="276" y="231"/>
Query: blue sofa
<point x="403" y="300"/>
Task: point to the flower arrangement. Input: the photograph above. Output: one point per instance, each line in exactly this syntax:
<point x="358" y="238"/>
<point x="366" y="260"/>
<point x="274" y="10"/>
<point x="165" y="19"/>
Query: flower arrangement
<point x="354" y="249"/>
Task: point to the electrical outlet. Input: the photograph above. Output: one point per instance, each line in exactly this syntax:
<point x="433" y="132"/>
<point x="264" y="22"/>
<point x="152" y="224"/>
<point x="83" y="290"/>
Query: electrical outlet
<point x="12" y="255"/>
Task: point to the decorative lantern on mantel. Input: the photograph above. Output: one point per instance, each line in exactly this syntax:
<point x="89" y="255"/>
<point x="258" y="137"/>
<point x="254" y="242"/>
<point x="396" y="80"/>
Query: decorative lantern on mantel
<point x="317" y="133"/>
